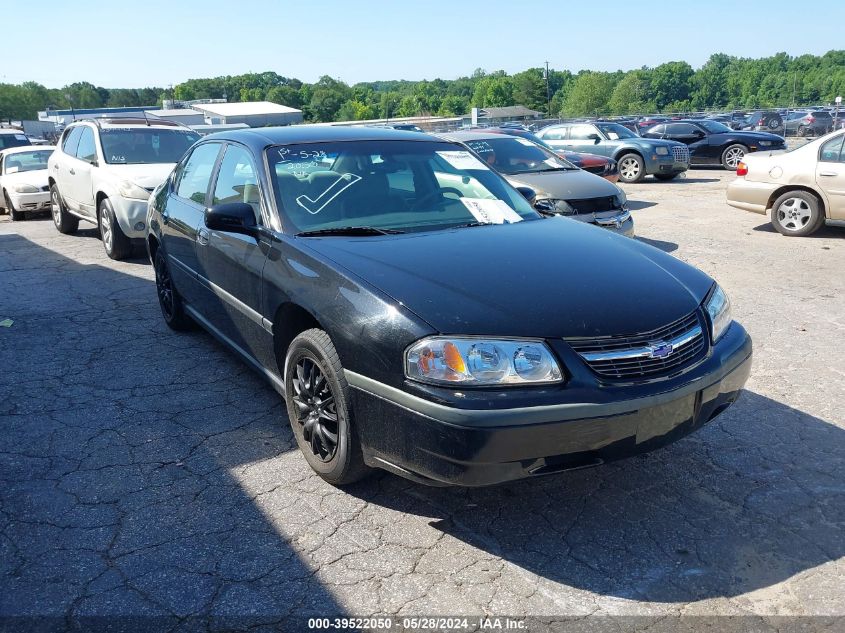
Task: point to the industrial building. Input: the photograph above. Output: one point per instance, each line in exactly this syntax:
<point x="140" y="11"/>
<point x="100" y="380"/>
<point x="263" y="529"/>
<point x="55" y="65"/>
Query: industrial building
<point x="252" y="113"/>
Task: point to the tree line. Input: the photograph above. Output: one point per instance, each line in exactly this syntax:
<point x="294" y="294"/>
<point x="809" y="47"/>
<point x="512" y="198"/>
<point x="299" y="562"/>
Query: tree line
<point x="723" y="82"/>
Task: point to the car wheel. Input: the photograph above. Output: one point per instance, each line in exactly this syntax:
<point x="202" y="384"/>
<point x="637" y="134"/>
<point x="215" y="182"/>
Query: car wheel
<point x="17" y="216"/>
<point x="631" y="168"/>
<point x="797" y="213"/>
<point x="666" y="176"/>
<point x="117" y="245"/>
<point x="733" y="155"/>
<point x="317" y="403"/>
<point x="64" y="221"/>
<point x="169" y="299"/>
<point x="802" y="130"/>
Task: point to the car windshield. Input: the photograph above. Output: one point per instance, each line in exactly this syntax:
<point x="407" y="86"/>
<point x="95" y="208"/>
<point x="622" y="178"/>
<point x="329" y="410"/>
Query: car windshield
<point x="137" y="145"/>
<point x="26" y="161"/>
<point x="13" y="140"/>
<point x="514" y="155"/>
<point x="389" y="186"/>
<point x="614" y="131"/>
<point x="714" y="127"/>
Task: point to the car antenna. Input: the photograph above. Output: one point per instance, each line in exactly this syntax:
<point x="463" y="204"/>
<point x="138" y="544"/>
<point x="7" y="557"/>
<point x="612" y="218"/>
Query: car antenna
<point x="146" y="120"/>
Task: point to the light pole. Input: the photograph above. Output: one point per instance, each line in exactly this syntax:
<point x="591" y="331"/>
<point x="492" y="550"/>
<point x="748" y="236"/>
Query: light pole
<point x="548" y="93"/>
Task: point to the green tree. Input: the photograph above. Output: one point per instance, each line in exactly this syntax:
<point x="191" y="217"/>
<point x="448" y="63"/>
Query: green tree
<point x="671" y="82"/>
<point x="632" y="94"/>
<point x="590" y="94"/>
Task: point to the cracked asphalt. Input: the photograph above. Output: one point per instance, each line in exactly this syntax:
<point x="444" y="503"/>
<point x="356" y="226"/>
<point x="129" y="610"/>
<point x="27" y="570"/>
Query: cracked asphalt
<point x="149" y="474"/>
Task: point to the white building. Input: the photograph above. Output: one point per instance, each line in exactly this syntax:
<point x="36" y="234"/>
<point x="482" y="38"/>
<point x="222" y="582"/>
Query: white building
<point x="185" y="116"/>
<point x="252" y="113"/>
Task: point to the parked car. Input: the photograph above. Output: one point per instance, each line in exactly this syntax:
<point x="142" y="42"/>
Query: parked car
<point x="419" y="316"/>
<point x="763" y="121"/>
<point x="104" y="170"/>
<point x="713" y="143"/>
<point x="13" y="138"/>
<point x="808" y="123"/>
<point x="635" y="156"/>
<point x="645" y="122"/>
<point x="800" y="188"/>
<point x="593" y="163"/>
<point x="559" y="187"/>
<point x="23" y="180"/>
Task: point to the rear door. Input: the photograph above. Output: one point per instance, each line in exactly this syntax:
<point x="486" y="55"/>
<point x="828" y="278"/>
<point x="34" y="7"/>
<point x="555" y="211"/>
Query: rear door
<point x="231" y="264"/>
<point x="183" y="213"/>
<point x="555" y="136"/>
<point x="830" y="175"/>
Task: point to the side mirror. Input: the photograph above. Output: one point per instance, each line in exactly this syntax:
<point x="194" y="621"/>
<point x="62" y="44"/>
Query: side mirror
<point x="698" y="134"/>
<point x="528" y="193"/>
<point x="595" y="138"/>
<point x="232" y="217"/>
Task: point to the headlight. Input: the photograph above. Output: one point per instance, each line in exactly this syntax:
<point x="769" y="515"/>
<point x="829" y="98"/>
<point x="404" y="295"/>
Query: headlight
<point x="622" y="200"/>
<point x="554" y="206"/>
<point x="662" y="151"/>
<point x="22" y="188"/>
<point x="481" y="362"/>
<point x="719" y="309"/>
<point x="131" y="190"/>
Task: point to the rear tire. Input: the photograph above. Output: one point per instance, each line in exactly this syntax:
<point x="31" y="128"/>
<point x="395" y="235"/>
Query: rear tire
<point x="115" y="242"/>
<point x="17" y="216"/>
<point x="317" y="397"/>
<point x="169" y="299"/>
<point x="732" y="156"/>
<point x="802" y="130"/>
<point x="65" y="223"/>
<point x="797" y="214"/>
<point x="631" y="168"/>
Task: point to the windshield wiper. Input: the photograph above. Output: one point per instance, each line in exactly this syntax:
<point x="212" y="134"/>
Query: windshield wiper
<point x="349" y="230"/>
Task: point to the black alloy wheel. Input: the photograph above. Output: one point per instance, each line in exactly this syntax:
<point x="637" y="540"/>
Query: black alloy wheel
<point x="168" y="298"/>
<point x="316" y="409"/>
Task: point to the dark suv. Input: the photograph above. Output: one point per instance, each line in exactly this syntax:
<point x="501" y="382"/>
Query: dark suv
<point x="764" y="121"/>
<point x="805" y="123"/>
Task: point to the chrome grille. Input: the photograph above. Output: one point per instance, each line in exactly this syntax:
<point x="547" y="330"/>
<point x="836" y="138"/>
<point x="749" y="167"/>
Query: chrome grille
<point x="680" y="154"/>
<point x="633" y="357"/>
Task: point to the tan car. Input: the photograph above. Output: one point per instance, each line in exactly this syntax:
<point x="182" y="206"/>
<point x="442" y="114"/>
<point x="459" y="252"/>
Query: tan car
<point x="801" y="188"/>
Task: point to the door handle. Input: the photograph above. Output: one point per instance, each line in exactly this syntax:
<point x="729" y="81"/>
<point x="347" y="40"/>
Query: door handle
<point x="72" y="173"/>
<point x="202" y="236"/>
<point x="828" y="173"/>
<point x="56" y="167"/>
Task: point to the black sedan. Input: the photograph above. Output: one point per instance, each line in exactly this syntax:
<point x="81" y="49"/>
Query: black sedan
<point x="418" y="315"/>
<point x="714" y="143"/>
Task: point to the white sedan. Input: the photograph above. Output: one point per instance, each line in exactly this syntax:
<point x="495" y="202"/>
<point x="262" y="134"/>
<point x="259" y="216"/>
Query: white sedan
<point x="23" y="180"/>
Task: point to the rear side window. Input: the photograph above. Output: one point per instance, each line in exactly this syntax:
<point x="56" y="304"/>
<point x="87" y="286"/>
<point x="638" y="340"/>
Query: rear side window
<point x="831" y="151"/>
<point x="555" y="135"/>
<point x="71" y="141"/>
<point x="86" y="150"/>
<point x="658" y="129"/>
<point x="195" y="173"/>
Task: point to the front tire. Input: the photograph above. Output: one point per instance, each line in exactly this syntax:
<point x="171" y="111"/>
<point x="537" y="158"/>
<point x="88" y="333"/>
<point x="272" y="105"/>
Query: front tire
<point x="631" y="168"/>
<point x="797" y="214"/>
<point x="169" y="299"/>
<point x="115" y="242"/>
<point x="732" y="156"/>
<point x="17" y="216"/>
<point x="64" y="221"/>
<point x="317" y="397"/>
<point x="666" y="177"/>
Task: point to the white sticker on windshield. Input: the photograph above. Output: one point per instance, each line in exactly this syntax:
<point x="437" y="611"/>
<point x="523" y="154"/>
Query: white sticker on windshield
<point x="462" y="159"/>
<point x="613" y="136"/>
<point x="20" y="137"/>
<point x="491" y="211"/>
<point x="552" y="162"/>
<point x="525" y="141"/>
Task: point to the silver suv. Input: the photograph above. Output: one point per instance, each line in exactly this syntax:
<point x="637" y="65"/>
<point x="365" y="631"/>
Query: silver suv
<point x="104" y="170"/>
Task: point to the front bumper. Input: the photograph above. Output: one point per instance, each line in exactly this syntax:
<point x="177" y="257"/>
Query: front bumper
<point x="39" y="201"/>
<point x="437" y="444"/>
<point x="657" y="164"/>
<point x="130" y="214"/>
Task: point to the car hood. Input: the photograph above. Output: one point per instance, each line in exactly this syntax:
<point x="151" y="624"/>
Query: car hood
<point x="36" y="178"/>
<point x="565" y="185"/>
<point x="148" y="175"/>
<point x="760" y="136"/>
<point x="548" y="278"/>
<point x="650" y="143"/>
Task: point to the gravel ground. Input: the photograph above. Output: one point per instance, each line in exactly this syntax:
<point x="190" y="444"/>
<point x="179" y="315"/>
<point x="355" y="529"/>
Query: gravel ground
<point x="145" y="473"/>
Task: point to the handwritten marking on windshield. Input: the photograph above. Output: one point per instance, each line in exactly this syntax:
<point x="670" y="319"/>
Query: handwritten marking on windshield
<point x="333" y="191"/>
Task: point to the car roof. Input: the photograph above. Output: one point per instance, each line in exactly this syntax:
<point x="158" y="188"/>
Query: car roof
<point x="7" y="130"/>
<point x="27" y="148"/>
<point x="130" y="122"/>
<point x="474" y="135"/>
<point x="259" y="138"/>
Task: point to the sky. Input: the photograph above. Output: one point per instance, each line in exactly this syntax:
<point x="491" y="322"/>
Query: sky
<point x="158" y="42"/>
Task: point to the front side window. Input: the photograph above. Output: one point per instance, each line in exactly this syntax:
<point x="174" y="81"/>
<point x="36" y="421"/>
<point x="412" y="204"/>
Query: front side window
<point x="714" y="127"/>
<point x="71" y="140"/>
<point x="86" y="150"/>
<point x="614" y="131"/>
<point x="401" y="186"/>
<point x="26" y="161"/>
<point x="831" y="151"/>
<point x="140" y="145"/>
<point x="517" y="156"/>
<point x="194" y="175"/>
<point x="582" y="132"/>
<point x="237" y="181"/>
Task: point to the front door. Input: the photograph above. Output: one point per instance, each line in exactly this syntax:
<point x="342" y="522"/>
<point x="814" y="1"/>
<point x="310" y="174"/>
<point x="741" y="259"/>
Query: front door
<point x="80" y="166"/>
<point x="231" y="264"/>
<point x="830" y="176"/>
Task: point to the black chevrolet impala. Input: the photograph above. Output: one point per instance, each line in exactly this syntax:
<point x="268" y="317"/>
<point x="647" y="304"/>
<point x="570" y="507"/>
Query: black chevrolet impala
<point x="419" y="316"/>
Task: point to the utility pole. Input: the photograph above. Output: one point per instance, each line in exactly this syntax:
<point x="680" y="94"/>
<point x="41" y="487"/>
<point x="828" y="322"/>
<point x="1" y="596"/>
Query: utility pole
<point x="548" y="93"/>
